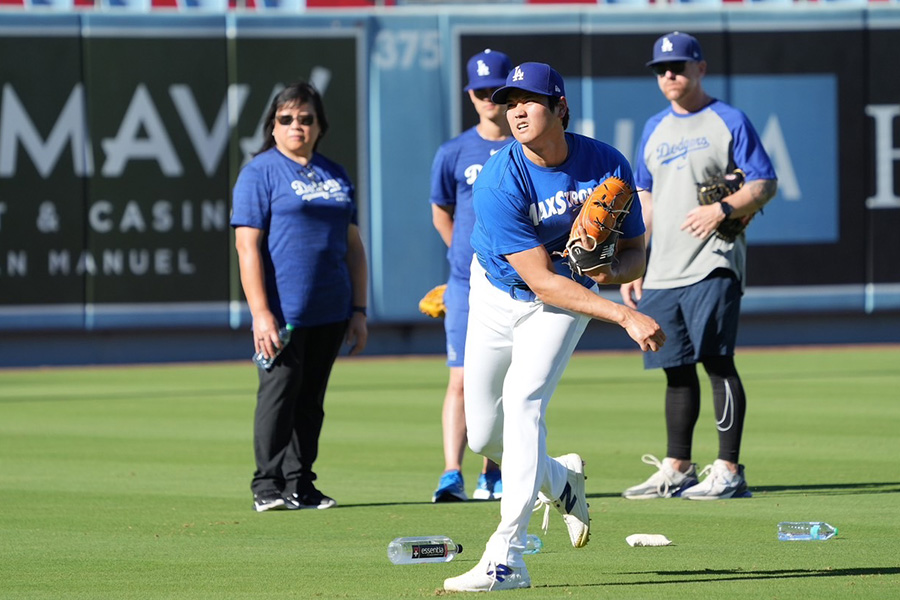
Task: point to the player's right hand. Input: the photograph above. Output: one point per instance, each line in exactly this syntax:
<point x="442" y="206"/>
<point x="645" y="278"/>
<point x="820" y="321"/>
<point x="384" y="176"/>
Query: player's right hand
<point x="644" y="330"/>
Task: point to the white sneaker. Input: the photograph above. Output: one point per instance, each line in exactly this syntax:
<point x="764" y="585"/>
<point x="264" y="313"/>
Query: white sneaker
<point x="572" y="504"/>
<point x="665" y="483"/>
<point x="489" y="577"/>
<point x="720" y="483"/>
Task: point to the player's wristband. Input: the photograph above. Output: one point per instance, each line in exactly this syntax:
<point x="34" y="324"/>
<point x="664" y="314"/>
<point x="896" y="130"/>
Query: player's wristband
<point x="360" y="309"/>
<point x="727" y="209"/>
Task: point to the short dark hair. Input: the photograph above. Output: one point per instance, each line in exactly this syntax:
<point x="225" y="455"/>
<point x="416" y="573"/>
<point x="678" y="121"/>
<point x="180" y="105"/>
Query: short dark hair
<point x="552" y="103"/>
<point x="295" y="94"/>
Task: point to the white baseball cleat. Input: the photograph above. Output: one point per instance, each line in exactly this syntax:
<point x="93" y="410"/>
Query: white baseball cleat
<point x="489" y="577"/>
<point x="571" y="504"/>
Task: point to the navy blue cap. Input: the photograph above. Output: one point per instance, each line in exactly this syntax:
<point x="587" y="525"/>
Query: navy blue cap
<point x="534" y="77"/>
<point x="676" y="47"/>
<point x="487" y="69"/>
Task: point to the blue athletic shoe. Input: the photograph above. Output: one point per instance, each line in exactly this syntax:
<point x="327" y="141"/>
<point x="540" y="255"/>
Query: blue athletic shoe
<point x="450" y="488"/>
<point x="490" y="486"/>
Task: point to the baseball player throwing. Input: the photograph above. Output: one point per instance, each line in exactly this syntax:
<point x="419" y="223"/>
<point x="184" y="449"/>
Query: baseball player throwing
<point x="527" y="311"/>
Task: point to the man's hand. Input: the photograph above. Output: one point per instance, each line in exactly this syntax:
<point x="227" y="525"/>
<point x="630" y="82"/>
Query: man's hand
<point x="644" y="330"/>
<point x="632" y="292"/>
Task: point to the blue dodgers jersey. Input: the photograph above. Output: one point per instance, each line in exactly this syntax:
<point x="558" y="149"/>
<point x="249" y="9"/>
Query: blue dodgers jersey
<point x="519" y="205"/>
<point x="305" y="212"/>
<point x="456" y="165"/>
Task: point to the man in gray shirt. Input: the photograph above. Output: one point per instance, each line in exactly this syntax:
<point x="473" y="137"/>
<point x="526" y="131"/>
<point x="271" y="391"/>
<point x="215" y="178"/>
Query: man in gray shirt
<point x="695" y="278"/>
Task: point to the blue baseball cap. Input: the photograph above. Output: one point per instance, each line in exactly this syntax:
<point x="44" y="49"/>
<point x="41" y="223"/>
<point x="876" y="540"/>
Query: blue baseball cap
<point x="534" y="77"/>
<point x="487" y="69"/>
<point x="676" y="47"/>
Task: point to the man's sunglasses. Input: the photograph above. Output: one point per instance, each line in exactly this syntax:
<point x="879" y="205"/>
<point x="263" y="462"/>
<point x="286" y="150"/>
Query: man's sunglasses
<point x="484" y="93"/>
<point x="675" y="67"/>
<point x="286" y="120"/>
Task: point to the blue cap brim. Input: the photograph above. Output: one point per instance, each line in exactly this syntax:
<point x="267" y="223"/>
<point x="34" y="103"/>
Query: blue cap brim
<point x="485" y="83"/>
<point x="669" y="59"/>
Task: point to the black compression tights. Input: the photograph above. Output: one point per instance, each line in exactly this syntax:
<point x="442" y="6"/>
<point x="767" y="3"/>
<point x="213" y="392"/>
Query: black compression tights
<point x="683" y="407"/>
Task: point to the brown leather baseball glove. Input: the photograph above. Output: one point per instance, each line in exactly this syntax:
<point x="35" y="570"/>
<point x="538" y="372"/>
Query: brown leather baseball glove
<point x="601" y="217"/>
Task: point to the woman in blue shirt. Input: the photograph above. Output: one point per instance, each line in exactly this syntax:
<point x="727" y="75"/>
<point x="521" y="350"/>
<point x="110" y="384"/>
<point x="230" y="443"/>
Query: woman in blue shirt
<point x="303" y="264"/>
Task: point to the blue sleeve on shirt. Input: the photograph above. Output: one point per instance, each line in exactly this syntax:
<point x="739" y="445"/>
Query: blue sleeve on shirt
<point x="251" y="206"/>
<point x="748" y="152"/>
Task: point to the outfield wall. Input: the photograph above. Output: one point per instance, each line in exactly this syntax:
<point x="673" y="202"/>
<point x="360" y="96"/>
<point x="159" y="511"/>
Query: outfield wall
<point x="121" y="135"/>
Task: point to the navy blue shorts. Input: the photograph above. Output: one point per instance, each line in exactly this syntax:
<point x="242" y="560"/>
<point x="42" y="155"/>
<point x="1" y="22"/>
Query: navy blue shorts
<point x="699" y="320"/>
<point x="456" y="299"/>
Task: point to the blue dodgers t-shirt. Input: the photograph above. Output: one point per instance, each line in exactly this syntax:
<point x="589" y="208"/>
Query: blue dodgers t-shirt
<point x="456" y="165"/>
<point x="519" y="205"/>
<point x="305" y="212"/>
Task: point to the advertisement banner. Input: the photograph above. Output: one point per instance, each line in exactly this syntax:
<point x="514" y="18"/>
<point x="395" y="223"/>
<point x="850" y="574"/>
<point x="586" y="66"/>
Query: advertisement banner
<point x="117" y="162"/>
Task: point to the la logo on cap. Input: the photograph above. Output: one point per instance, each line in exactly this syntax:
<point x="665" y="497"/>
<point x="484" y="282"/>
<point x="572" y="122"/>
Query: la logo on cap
<point x="519" y="75"/>
<point x="667" y="45"/>
<point x="483" y="69"/>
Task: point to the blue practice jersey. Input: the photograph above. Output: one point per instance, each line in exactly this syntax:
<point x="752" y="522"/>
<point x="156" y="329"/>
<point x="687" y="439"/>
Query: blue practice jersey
<point x="457" y="164"/>
<point x="305" y="212"/>
<point x="519" y="205"/>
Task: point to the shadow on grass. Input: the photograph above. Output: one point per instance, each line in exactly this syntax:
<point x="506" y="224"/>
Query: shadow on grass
<point x="714" y="575"/>
<point x="819" y="489"/>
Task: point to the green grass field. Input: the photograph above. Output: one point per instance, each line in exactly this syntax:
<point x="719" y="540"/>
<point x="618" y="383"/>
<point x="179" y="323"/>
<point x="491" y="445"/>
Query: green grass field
<point x="133" y="482"/>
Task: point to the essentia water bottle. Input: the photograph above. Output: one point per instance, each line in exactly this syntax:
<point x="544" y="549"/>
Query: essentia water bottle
<point x="789" y="531"/>
<point x="422" y="549"/>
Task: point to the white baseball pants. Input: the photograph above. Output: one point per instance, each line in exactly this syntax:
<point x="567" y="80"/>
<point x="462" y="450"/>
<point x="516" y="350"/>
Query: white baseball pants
<point x="516" y="353"/>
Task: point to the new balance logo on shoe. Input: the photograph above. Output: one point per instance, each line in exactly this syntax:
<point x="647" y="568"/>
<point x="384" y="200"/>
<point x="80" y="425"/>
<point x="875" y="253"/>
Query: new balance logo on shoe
<point x="568" y="498"/>
<point x="500" y="572"/>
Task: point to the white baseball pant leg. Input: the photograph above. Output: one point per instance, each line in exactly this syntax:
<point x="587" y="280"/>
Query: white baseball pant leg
<point x="516" y="353"/>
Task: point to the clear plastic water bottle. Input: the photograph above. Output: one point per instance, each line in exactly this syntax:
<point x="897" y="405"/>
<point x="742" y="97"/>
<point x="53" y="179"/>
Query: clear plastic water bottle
<point x="805" y="531"/>
<point x="422" y="549"/>
<point x="284" y="334"/>
<point x="533" y="544"/>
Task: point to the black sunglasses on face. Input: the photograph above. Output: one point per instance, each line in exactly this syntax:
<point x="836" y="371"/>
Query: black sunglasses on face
<point x="675" y="67"/>
<point x="484" y="93"/>
<point x="286" y="120"/>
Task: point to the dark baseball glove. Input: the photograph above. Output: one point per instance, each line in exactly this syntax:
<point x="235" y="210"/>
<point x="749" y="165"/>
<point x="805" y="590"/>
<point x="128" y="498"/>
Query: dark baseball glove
<point x="716" y="189"/>
<point x="601" y="217"/>
<point x="433" y="302"/>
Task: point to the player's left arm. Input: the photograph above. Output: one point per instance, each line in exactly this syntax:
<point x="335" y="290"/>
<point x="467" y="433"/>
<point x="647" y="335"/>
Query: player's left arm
<point x="357" y="329"/>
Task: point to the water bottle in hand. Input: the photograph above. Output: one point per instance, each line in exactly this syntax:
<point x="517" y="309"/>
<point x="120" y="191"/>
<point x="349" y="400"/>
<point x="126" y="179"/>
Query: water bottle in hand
<point x="422" y="549"/>
<point x="804" y="531"/>
<point x="284" y="334"/>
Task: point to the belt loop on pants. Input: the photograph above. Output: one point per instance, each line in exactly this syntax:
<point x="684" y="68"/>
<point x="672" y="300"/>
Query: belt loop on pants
<point x="522" y="292"/>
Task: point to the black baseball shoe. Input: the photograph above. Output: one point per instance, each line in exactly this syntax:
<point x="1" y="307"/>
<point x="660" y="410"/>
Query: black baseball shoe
<point x="264" y="501"/>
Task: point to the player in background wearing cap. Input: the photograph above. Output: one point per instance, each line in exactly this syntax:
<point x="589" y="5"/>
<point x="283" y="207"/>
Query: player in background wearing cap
<point x="694" y="279"/>
<point x="456" y="165"/>
<point x="527" y="311"/>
